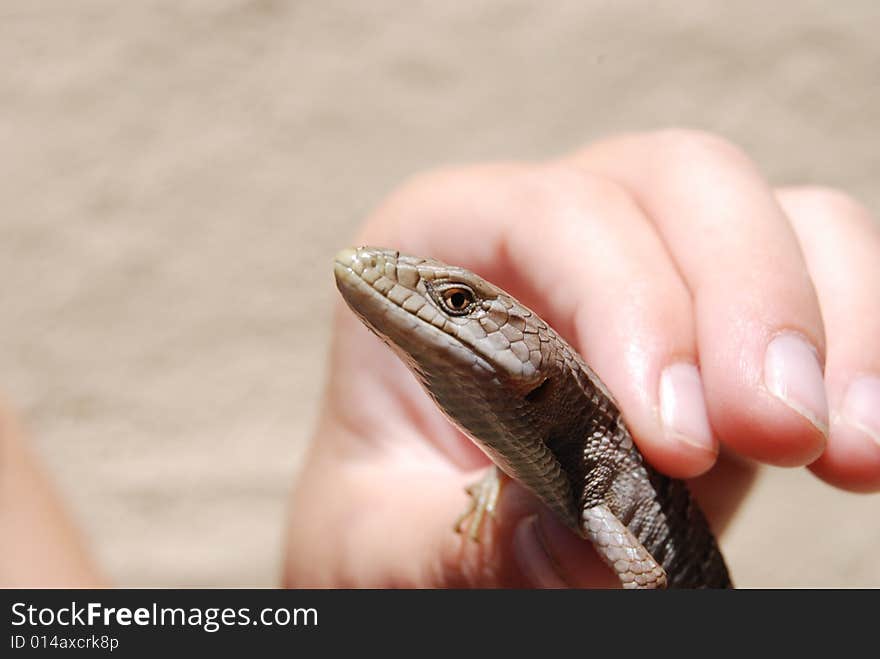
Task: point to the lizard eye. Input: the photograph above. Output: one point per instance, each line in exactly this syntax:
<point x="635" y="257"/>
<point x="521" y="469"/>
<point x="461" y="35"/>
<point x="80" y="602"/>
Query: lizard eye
<point x="457" y="300"/>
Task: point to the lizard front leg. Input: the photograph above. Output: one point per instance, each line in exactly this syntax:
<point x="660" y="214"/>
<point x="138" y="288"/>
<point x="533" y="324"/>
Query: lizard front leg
<point x="483" y="500"/>
<point x="619" y="548"/>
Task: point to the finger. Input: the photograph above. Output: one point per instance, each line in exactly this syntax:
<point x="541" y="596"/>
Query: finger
<point x="841" y="243"/>
<point x="579" y="251"/>
<point x="759" y="330"/>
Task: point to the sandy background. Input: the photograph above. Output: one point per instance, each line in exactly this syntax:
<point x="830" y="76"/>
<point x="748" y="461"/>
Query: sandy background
<point x="176" y="176"/>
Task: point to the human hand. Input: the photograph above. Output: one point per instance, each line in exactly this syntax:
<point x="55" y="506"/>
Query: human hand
<point x="651" y="254"/>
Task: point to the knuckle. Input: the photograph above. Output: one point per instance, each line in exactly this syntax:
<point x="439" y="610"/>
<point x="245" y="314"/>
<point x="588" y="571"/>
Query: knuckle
<point x="827" y="201"/>
<point x="420" y="189"/>
<point x="814" y="207"/>
<point x="697" y="147"/>
<point x="409" y="199"/>
<point x="560" y="185"/>
<point x="434" y="195"/>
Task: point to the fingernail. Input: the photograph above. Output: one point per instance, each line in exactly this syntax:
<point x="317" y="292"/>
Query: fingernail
<point x="861" y="406"/>
<point x="683" y="407"/>
<point x="793" y="374"/>
<point x="532" y="557"/>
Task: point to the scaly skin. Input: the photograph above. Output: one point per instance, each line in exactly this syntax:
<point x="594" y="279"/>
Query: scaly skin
<point x="536" y="409"/>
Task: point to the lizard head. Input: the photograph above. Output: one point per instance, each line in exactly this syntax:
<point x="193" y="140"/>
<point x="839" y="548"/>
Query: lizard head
<point x="442" y="319"/>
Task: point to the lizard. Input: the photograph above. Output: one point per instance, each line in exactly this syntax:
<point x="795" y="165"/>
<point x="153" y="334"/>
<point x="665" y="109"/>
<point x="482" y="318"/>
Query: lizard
<point x="527" y="398"/>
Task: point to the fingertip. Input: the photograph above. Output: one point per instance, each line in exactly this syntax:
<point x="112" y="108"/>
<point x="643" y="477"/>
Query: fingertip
<point x="851" y="461"/>
<point x="678" y="458"/>
<point x="689" y="447"/>
<point x="673" y="432"/>
<point x="793" y="374"/>
<point x="766" y="397"/>
<point x="760" y="427"/>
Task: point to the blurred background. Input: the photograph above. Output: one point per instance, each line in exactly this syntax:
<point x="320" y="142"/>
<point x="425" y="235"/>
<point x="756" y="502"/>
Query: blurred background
<point x="176" y="176"/>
